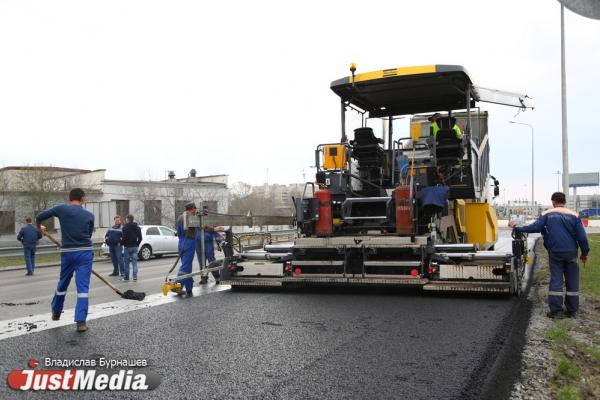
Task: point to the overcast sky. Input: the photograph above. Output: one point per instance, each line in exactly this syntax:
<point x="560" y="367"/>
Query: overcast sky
<point x="242" y="87"/>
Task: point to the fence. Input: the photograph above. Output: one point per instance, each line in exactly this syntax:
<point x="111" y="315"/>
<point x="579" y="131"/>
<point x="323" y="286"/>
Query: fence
<point x="242" y="241"/>
<point x="40" y="249"/>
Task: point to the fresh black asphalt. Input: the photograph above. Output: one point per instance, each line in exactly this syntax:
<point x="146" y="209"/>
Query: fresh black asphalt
<point x="320" y="344"/>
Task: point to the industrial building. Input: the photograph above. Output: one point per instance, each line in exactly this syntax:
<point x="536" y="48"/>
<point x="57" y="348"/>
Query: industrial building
<point x="26" y="190"/>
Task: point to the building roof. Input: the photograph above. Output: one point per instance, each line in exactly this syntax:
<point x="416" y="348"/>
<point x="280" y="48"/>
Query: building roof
<point x="46" y="168"/>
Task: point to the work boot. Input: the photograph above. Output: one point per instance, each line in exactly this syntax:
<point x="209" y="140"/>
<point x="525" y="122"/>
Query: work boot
<point x="55" y="316"/>
<point x="113" y="274"/>
<point x="571" y="314"/>
<point x="203" y="281"/>
<point x="81" y="326"/>
<point x="29" y="274"/>
<point x="555" y="314"/>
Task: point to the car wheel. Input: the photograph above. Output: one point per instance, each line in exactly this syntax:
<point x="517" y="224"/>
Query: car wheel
<point x="145" y="253"/>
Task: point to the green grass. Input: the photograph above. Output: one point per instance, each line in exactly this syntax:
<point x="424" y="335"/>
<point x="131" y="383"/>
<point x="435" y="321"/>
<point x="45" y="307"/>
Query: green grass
<point x="559" y="333"/>
<point x="568" y="393"/>
<point x="590" y="274"/>
<point x="39" y="259"/>
<point x="590" y="351"/>
<point x="566" y="369"/>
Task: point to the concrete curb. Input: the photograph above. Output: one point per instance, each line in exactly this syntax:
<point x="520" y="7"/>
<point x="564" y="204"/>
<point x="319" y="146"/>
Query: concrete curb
<point x="56" y="264"/>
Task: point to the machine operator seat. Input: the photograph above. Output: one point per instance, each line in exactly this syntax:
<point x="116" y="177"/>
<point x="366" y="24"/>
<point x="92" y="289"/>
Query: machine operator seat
<point x="449" y="148"/>
<point x="366" y="148"/>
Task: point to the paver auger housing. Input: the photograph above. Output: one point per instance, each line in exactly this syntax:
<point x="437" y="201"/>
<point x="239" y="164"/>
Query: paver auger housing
<point x="392" y="210"/>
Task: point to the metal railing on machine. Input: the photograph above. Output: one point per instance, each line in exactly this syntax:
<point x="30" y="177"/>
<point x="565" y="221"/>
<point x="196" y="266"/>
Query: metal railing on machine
<point x="256" y="240"/>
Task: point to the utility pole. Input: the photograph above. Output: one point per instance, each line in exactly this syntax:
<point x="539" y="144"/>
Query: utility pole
<point x="565" y="137"/>
<point x="588" y="9"/>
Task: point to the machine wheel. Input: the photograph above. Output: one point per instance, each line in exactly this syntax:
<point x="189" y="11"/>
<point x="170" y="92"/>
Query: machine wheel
<point x="145" y="253"/>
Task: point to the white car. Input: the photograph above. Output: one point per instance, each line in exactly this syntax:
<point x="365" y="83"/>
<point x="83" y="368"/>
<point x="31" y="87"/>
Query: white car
<point x="156" y="241"/>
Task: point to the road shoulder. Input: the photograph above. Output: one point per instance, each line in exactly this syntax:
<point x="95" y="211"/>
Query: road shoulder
<point x="561" y="358"/>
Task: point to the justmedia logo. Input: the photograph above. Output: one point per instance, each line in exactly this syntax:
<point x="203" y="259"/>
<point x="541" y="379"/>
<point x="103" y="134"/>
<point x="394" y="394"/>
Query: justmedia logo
<point x="81" y="379"/>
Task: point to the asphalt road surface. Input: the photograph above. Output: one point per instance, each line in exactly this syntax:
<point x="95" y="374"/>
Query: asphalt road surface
<point x="341" y="344"/>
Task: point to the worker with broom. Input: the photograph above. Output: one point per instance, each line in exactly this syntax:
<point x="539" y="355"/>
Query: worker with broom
<point x="77" y="226"/>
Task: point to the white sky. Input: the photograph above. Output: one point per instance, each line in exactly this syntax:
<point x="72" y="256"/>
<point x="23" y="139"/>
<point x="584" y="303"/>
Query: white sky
<point x="239" y="87"/>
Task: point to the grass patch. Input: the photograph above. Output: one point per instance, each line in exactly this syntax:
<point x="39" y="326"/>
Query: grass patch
<point x="39" y="259"/>
<point x="559" y="333"/>
<point x="590" y="274"/>
<point x="590" y="351"/>
<point x="19" y="260"/>
<point x="568" y="393"/>
<point x="567" y="369"/>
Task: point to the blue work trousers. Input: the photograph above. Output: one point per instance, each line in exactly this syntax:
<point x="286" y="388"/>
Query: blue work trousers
<point x="29" y="254"/>
<point x="130" y="254"/>
<point x="80" y="263"/>
<point x="210" y="257"/>
<point x="187" y="249"/>
<point x="116" y="255"/>
<point x="563" y="268"/>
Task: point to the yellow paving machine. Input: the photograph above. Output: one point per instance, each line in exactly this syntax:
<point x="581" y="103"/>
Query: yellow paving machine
<point x="393" y="210"/>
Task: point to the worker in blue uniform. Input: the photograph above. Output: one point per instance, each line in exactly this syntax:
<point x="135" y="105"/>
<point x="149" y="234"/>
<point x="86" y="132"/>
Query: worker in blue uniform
<point x="29" y="237"/>
<point x="210" y="236"/>
<point x="114" y="239"/>
<point x="187" y="246"/>
<point x="77" y="226"/>
<point x="564" y="232"/>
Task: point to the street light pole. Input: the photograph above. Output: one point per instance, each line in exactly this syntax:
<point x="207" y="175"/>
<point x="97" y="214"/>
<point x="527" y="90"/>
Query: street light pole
<point x="563" y="79"/>
<point x="588" y="9"/>
<point x="532" y="162"/>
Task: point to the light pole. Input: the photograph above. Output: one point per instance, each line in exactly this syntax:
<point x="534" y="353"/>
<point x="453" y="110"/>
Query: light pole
<point x="588" y="9"/>
<point x="557" y="181"/>
<point x="532" y="155"/>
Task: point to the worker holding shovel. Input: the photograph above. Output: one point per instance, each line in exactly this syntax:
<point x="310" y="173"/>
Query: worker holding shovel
<point x="77" y="226"/>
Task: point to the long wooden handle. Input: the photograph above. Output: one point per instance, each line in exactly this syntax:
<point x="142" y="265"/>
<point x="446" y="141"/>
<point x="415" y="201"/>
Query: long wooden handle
<point x="56" y="242"/>
<point x="110" y="285"/>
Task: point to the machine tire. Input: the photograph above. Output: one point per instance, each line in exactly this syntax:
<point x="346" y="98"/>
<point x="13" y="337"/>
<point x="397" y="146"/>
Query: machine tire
<point x="145" y="253"/>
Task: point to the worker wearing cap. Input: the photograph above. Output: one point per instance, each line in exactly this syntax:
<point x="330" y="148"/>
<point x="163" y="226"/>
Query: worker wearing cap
<point x="76" y="256"/>
<point x="188" y="239"/>
<point x="435" y="127"/>
<point x="564" y="233"/>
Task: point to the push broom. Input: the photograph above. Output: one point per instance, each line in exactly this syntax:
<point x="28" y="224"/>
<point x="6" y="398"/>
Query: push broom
<point x="128" y="294"/>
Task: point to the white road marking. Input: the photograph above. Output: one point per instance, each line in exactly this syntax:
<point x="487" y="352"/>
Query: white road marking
<point x="36" y="323"/>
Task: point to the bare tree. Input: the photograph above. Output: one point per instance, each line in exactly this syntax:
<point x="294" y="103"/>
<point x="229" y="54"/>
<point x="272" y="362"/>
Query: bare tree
<point x="7" y="204"/>
<point x="39" y="187"/>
